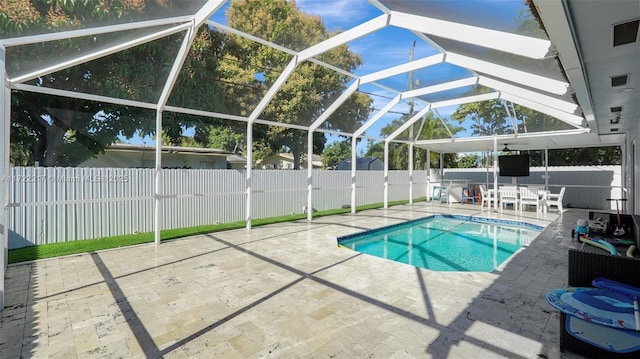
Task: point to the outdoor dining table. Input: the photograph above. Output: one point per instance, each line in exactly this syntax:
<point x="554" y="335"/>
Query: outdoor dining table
<point x="542" y="196"/>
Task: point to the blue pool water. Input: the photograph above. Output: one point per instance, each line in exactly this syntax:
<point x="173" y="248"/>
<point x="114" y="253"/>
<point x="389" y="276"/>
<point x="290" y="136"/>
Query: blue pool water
<point x="446" y="243"/>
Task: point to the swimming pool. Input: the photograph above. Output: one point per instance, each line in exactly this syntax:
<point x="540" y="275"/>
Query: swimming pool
<point x="446" y="242"/>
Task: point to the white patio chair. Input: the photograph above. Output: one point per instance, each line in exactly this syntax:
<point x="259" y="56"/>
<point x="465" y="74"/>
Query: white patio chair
<point x="538" y="187"/>
<point x="508" y="195"/>
<point x="486" y="196"/>
<point x="555" y="199"/>
<point x="440" y="194"/>
<point x="530" y="197"/>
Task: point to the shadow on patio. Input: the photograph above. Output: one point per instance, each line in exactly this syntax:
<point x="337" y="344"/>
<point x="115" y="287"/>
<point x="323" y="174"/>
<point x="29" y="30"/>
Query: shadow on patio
<point x="284" y="290"/>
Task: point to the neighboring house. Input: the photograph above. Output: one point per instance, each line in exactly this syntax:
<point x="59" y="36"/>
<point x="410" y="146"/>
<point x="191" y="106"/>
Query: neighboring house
<point x="236" y="162"/>
<point x="362" y="164"/>
<point x="137" y="156"/>
<point x="284" y="161"/>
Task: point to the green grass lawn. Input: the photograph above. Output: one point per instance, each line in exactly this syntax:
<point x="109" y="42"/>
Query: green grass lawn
<point x="96" y="244"/>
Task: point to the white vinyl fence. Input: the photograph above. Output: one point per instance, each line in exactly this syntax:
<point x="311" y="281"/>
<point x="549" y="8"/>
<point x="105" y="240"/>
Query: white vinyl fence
<point x="587" y="187"/>
<point x="50" y="205"/>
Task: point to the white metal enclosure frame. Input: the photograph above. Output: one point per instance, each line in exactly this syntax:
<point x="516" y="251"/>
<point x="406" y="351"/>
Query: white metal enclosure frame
<point x="513" y="85"/>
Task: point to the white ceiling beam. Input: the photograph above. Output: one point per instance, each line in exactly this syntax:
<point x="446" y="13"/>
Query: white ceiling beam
<point x="177" y="66"/>
<point x="226" y="116"/>
<point x="524" y="78"/>
<point x="493" y="39"/>
<point x="468" y="99"/>
<point x="64" y="35"/>
<point x="335" y="105"/>
<point x="380" y="6"/>
<point x="406" y="125"/>
<point x="209" y="8"/>
<point x="98" y="54"/>
<point x="83" y="96"/>
<point x="199" y="18"/>
<point x="443" y="122"/>
<point x="489" y="138"/>
<point x="251" y="37"/>
<point x="280" y="81"/>
<point x="531" y="95"/>
<point x="569" y="118"/>
<point x="512" y="117"/>
<point x="377" y="116"/>
<point x="469" y="81"/>
<point x="276" y="46"/>
<point x="356" y="32"/>
<point x="401" y="69"/>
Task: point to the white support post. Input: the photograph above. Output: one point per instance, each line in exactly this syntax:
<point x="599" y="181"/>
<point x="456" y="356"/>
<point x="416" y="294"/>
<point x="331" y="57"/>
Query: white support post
<point x="354" y="139"/>
<point x="158" y="178"/>
<point x="495" y="172"/>
<point x="546" y="169"/>
<point x="249" y="162"/>
<point x="441" y="166"/>
<point x="411" y="173"/>
<point x="386" y="174"/>
<point x="310" y="176"/>
<point x="5" y="174"/>
<point x="162" y="101"/>
<point x="428" y="173"/>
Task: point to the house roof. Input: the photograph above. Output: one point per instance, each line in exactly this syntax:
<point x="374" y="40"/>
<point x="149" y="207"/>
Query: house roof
<point x="230" y="156"/>
<point x="362" y="160"/>
<point x="169" y="149"/>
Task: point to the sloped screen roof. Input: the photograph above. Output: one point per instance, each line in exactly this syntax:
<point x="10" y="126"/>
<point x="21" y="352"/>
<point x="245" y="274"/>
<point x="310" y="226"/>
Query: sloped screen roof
<point x="420" y="60"/>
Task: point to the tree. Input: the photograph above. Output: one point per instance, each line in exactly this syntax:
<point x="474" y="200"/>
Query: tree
<point x="222" y="73"/>
<point x="431" y="128"/>
<point x="335" y="153"/>
<point x="468" y="161"/>
<point x="311" y="88"/>
<point x="486" y="117"/>
<point x="64" y="131"/>
<point x="586" y="156"/>
<point x="225" y="139"/>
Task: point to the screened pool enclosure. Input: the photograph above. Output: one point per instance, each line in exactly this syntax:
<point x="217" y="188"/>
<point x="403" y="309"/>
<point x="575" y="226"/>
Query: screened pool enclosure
<point x="79" y="78"/>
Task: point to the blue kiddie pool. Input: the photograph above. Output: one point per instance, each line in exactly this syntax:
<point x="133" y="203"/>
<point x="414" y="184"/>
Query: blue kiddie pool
<point x="606" y="317"/>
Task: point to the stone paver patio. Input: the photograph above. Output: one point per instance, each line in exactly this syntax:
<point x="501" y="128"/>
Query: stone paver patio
<point x="287" y="291"/>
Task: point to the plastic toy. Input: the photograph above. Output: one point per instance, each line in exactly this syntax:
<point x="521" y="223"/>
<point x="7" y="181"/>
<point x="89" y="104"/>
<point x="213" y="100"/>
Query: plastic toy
<point x="582" y="228"/>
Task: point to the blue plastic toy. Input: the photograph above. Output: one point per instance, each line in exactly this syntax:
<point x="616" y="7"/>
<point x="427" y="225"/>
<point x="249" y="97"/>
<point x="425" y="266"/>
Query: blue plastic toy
<point x="582" y="227"/>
